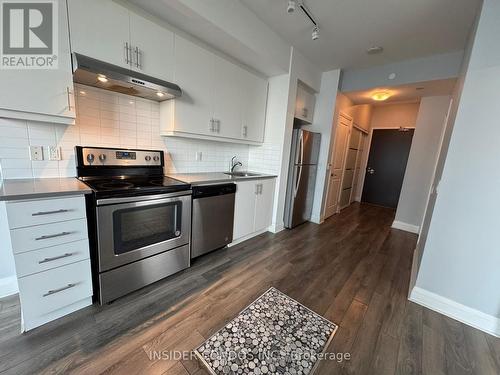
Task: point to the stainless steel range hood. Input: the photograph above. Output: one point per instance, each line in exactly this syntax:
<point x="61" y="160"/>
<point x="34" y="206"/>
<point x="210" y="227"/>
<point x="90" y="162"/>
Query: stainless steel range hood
<point x="92" y="72"/>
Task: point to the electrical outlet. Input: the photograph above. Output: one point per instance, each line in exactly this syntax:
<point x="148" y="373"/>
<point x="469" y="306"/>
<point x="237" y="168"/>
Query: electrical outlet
<point x="199" y="155"/>
<point x="36" y="153"/>
<point x="54" y="153"/>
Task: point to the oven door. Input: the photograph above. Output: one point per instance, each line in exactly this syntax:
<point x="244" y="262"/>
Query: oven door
<point x="130" y="231"/>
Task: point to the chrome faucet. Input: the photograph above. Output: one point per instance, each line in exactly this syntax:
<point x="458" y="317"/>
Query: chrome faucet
<point x="234" y="165"/>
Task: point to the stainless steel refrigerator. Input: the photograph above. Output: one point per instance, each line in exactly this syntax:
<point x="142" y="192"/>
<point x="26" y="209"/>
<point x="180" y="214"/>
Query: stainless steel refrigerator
<point x="301" y="177"/>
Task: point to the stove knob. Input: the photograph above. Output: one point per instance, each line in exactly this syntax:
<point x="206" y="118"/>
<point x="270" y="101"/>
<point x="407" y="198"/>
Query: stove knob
<point x="102" y="158"/>
<point x="148" y="158"/>
<point x="90" y="158"/>
<point x="156" y="158"/>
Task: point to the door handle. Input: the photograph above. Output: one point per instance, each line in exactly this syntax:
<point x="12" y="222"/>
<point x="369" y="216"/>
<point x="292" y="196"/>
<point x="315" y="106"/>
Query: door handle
<point x="128" y="52"/>
<point x="370" y="170"/>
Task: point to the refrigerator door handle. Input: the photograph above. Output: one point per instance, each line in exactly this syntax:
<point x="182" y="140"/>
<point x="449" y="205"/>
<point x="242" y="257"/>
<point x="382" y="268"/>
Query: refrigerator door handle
<point x="297" y="183"/>
<point x="301" y="145"/>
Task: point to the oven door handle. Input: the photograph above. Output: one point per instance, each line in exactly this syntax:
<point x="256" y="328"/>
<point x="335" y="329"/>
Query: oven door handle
<point x="147" y="199"/>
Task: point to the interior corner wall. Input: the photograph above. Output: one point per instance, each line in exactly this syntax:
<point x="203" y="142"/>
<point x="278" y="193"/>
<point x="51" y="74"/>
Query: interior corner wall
<point x="460" y="260"/>
<point x="324" y="115"/>
<point x="424" y="151"/>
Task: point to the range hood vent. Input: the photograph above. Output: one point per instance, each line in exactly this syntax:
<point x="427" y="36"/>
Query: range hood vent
<point x="92" y="72"/>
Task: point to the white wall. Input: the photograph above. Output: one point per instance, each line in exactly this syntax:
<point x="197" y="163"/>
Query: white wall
<point x="459" y="274"/>
<point x="394" y="115"/>
<point x="421" y="162"/>
<point x="323" y="123"/>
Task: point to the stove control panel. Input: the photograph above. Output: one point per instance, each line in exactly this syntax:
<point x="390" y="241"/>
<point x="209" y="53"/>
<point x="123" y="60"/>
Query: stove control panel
<point x="120" y="157"/>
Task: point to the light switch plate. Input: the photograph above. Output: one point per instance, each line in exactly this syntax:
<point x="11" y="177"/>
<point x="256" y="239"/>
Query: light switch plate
<point x="36" y="153"/>
<point x="54" y="153"/>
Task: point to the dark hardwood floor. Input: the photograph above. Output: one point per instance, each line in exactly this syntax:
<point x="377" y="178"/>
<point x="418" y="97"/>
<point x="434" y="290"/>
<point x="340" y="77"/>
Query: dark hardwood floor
<point x="354" y="270"/>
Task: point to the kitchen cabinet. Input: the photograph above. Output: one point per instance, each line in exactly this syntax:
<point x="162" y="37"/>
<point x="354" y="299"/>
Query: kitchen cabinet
<point x="221" y="101"/>
<point x="107" y="31"/>
<point x="49" y="241"/>
<point x="304" y="104"/>
<point x="101" y="30"/>
<point x="42" y="95"/>
<point x="253" y="207"/>
<point x="152" y="48"/>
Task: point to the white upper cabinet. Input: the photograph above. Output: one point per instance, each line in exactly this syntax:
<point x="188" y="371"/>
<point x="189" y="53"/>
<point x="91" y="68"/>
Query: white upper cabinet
<point x="193" y="111"/>
<point x="228" y="99"/>
<point x="101" y="30"/>
<point x="254" y="107"/>
<point x="106" y="31"/>
<point x="152" y="48"/>
<point x="41" y="94"/>
<point x="304" y="105"/>
<point x="220" y="100"/>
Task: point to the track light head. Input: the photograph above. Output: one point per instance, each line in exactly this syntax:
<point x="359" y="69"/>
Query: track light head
<point x="291" y="6"/>
<point x="315" y="33"/>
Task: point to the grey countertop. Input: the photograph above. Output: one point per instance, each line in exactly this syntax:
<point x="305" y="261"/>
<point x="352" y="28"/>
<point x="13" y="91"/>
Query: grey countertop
<point x="214" y="177"/>
<point x="41" y="188"/>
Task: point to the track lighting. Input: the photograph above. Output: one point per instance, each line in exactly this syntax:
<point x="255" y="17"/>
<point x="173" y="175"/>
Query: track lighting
<point x="315" y="33"/>
<point x="291" y="6"/>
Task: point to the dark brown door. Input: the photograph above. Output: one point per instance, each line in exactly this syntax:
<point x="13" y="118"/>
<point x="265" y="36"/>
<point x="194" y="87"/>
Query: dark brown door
<point x="389" y="151"/>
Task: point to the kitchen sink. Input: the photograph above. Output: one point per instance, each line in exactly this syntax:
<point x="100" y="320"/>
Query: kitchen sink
<point x="242" y="174"/>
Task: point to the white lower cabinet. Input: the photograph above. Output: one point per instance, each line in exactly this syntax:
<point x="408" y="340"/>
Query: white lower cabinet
<point x="253" y="207"/>
<point x="49" y="240"/>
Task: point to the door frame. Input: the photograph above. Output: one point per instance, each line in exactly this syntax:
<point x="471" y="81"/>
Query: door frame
<point x="333" y="141"/>
<point x="361" y="185"/>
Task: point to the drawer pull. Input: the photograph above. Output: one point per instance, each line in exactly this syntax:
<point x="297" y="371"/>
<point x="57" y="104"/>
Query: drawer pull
<point x="50" y="292"/>
<point x="46" y="260"/>
<point x="52" y="236"/>
<point x="42" y="213"/>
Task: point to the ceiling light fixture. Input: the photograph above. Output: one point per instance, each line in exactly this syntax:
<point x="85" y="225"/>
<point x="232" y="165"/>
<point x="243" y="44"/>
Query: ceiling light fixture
<point x="380" y="96"/>
<point x="102" y="78"/>
<point x="315" y="33"/>
<point x="160" y="94"/>
<point x="374" y="50"/>
<point x="291" y="6"/>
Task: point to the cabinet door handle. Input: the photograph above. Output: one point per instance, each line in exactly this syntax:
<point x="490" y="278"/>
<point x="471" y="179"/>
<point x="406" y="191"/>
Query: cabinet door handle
<point x="138" y="57"/>
<point x="218" y="126"/>
<point x="48" y="237"/>
<point x="245" y="131"/>
<point x="47" y="260"/>
<point x="127" y="54"/>
<point x="211" y="125"/>
<point x="42" y="213"/>
<point x="304" y="112"/>
<point x="257" y="189"/>
<point x="68" y="95"/>
<point x="260" y="188"/>
<point x="50" y="292"/>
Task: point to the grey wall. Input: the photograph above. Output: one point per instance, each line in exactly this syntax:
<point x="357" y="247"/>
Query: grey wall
<point x="422" y="160"/>
<point x="461" y="255"/>
<point x="410" y="71"/>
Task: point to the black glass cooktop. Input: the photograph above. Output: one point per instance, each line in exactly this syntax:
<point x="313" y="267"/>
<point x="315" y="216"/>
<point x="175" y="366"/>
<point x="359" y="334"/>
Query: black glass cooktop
<point x="120" y="186"/>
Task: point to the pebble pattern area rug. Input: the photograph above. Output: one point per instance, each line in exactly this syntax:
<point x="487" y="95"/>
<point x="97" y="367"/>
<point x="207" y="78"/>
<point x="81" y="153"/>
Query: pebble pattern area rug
<point x="274" y="335"/>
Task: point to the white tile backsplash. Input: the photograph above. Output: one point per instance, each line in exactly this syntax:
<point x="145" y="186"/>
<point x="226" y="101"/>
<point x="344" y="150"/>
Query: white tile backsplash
<point x="115" y="120"/>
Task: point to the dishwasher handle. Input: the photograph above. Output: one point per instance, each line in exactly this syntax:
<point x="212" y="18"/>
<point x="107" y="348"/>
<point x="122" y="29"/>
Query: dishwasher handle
<point x="206" y="191"/>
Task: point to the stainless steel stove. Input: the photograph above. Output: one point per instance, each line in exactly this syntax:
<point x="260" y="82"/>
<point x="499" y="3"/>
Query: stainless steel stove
<point x="140" y="221"/>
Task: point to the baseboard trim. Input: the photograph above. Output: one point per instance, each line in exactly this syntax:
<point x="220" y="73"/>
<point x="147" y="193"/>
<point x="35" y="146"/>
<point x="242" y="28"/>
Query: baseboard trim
<point x="317" y="219"/>
<point x="247" y="237"/>
<point x="472" y="317"/>
<point x="276" y="228"/>
<point x="406" y="227"/>
<point x="8" y="286"/>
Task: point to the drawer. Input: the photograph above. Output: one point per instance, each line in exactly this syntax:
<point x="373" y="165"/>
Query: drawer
<point x="28" y="213"/>
<point x="41" y="236"/>
<point x="52" y="290"/>
<point x="51" y="257"/>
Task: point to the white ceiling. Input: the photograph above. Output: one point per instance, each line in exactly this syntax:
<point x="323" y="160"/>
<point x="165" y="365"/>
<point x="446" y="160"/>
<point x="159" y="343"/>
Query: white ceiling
<point x="404" y="93"/>
<point x="405" y="28"/>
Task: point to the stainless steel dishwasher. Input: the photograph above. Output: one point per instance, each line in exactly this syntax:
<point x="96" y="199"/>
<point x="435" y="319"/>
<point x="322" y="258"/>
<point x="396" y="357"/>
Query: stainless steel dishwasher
<point x="213" y="217"/>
